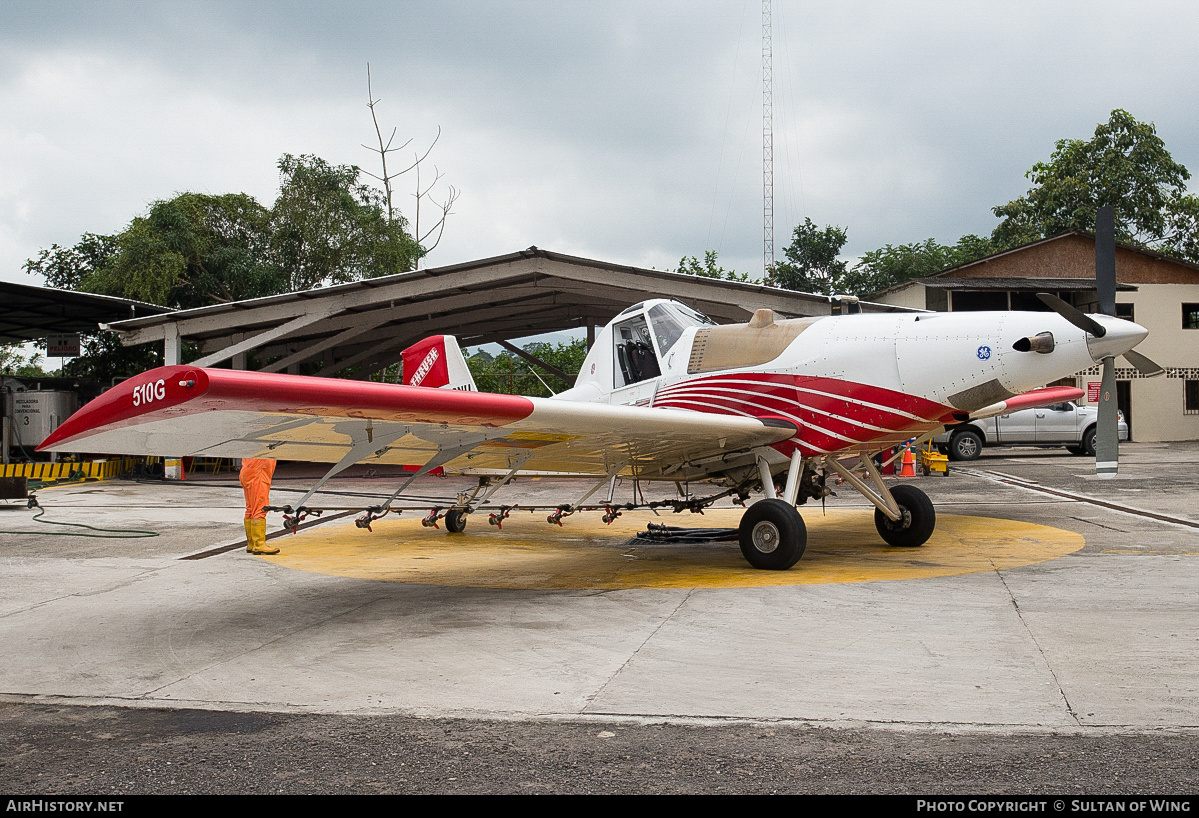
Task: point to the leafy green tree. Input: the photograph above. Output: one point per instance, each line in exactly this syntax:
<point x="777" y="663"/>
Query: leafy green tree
<point x="14" y="362"/>
<point x="812" y="265"/>
<point x="190" y="251"/>
<point x="197" y="249"/>
<point x="328" y="227"/>
<point x="692" y="266"/>
<point x="879" y="269"/>
<point x="1125" y="164"/>
<point x="66" y="268"/>
<point x="103" y="358"/>
<point x="511" y="375"/>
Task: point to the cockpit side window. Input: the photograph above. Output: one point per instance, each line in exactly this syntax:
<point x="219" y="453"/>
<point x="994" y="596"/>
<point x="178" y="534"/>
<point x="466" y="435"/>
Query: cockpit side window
<point x="633" y="352"/>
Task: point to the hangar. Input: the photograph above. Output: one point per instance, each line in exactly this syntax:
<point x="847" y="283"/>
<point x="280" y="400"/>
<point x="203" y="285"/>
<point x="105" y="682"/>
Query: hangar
<point x="360" y="328"/>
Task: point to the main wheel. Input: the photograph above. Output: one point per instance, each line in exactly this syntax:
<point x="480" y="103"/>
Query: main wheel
<point x="1088" y="442"/>
<point x="917" y="523"/>
<point x="772" y="535"/>
<point x="455" y="521"/>
<point x="965" y="445"/>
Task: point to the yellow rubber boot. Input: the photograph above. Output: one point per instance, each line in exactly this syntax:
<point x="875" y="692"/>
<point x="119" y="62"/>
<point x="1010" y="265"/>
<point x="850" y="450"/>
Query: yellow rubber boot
<point x="256" y="537"/>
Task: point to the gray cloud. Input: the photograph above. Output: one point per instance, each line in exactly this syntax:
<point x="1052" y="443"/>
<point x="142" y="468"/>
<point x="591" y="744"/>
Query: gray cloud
<point x="630" y="132"/>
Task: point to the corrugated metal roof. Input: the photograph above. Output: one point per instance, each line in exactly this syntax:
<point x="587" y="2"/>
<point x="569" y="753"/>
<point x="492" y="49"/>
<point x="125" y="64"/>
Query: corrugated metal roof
<point x="30" y="313"/>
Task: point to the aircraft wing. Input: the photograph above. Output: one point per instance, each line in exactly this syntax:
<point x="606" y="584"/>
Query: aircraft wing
<point x="183" y="410"/>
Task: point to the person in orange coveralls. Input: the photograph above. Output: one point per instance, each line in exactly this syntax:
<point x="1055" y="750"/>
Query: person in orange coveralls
<point x="256" y="482"/>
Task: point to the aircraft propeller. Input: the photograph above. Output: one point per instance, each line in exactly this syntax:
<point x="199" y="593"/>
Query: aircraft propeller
<point x="1106" y="432"/>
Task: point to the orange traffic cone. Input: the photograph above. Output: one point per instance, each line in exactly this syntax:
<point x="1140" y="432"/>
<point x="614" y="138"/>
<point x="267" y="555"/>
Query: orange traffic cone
<point x="909" y="463"/>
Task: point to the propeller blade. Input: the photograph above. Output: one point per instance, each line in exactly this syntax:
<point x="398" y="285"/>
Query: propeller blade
<point x="1143" y="364"/>
<point x="1107" y="443"/>
<point x="1105" y="259"/>
<point x="1072" y="314"/>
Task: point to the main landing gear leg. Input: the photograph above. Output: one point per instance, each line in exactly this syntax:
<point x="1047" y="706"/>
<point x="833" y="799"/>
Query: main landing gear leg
<point x="772" y="534"/>
<point x="904" y="516"/>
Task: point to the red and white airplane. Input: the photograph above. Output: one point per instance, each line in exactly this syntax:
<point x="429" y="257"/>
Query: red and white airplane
<point x="664" y="395"/>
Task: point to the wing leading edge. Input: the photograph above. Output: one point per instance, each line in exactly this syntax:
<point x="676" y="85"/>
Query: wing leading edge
<point x="182" y="410"/>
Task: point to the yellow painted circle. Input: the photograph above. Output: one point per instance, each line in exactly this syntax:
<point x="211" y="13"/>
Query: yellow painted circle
<point x="843" y="546"/>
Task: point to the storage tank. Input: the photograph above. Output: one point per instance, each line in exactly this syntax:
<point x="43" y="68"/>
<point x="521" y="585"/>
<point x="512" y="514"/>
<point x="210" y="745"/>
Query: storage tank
<point x="35" y="414"/>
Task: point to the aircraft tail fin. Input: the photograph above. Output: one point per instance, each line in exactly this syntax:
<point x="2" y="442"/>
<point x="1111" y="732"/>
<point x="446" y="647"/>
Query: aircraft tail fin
<point x="438" y="362"/>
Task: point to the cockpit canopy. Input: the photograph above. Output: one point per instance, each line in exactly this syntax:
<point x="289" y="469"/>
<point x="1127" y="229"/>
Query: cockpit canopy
<point x="649" y="331"/>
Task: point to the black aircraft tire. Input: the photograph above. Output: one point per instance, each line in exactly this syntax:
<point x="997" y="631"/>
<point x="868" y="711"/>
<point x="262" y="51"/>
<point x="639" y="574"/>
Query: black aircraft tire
<point x="772" y="535"/>
<point x="455" y="521"/>
<point x="921" y="519"/>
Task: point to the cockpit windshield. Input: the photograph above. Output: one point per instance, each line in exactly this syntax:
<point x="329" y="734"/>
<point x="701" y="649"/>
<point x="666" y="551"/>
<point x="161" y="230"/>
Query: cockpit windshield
<point x="670" y="320"/>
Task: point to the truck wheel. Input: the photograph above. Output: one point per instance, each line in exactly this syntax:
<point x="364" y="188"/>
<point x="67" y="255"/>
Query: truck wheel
<point x="1088" y="442"/>
<point x="965" y="445"/>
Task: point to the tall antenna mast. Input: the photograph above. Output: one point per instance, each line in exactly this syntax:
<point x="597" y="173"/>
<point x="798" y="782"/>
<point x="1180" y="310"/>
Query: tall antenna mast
<point x="767" y="152"/>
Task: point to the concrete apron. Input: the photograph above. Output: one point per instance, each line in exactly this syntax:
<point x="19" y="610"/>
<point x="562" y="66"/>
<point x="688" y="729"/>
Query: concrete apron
<point x="975" y="629"/>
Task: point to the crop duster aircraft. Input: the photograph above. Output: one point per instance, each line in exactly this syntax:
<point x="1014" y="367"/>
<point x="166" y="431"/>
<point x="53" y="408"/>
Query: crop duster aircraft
<point x="772" y="406"/>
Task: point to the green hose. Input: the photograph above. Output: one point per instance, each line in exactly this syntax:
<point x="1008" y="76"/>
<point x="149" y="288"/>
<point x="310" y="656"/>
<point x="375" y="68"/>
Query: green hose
<point x="109" y="533"/>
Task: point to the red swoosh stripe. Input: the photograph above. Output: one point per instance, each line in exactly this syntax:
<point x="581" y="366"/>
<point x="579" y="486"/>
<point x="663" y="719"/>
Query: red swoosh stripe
<point x="832" y="414"/>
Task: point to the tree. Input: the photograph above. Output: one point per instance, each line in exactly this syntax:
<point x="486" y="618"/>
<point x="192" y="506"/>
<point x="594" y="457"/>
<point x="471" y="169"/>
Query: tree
<point x="328" y="227"/>
<point x="14" y="363"/>
<point x="65" y="268"/>
<point x="190" y="251"/>
<point x="197" y="249"/>
<point x="421" y="194"/>
<point x="103" y="358"/>
<point x="692" y="266"/>
<point x="812" y="265"/>
<point x="1125" y="164"/>
<point x="879" y="269"/>
<point x="509" y="374"/>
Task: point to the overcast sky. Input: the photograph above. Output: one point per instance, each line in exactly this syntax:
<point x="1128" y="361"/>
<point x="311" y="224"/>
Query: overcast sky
<point x="628" y="132"/>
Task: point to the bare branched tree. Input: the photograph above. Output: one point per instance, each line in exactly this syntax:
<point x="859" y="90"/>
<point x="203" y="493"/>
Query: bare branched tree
<point x="443" y="208"/>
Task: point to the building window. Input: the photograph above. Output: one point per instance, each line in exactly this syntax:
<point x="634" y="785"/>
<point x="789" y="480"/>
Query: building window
<point x="1192" y="397"/>
<point x="1125" y="311"/>
<point x="1190" y="316"/>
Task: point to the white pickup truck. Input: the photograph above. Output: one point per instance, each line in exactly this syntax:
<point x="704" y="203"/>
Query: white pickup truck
<point x="1062" y="424"/>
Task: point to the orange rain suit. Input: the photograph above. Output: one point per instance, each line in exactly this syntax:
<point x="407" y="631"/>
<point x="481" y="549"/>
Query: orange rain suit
<point x="256" y="482"/>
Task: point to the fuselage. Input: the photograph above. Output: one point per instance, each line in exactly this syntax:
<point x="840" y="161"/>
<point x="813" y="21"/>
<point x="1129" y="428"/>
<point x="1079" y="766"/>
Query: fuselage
<point x="848" y="382"/>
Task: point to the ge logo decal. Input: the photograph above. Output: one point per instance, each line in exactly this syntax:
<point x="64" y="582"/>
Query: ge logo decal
<point x="984" y="353"/>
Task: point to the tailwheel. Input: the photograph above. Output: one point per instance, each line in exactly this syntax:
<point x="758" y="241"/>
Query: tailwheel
<point x="917" y="523"/>
<point x="455" y="521"/>
<point x="772" y="535"/>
